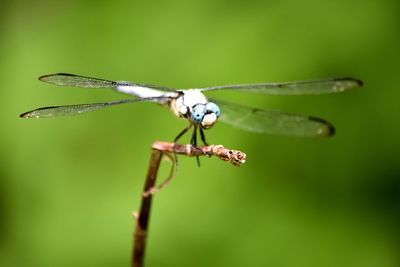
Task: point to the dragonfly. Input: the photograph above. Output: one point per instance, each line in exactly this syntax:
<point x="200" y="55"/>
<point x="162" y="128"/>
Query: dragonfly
<point x="202" y="114"/>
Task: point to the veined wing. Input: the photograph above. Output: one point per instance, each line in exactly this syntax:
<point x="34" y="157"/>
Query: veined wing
<point x="273" y="122"/>
<point x="65" y="79"/>
<point x="326" y="86"/>
<point x="68" y="110"/>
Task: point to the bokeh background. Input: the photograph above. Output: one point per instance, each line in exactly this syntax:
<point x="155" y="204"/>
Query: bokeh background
<point x="68" y="186"/>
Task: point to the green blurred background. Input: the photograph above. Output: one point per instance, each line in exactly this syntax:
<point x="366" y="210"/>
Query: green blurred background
<point x="69" y="185"/>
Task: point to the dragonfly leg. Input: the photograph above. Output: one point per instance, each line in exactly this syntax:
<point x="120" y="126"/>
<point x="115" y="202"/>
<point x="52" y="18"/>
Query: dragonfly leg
<point x="193" y="142"/>
<point x="176" y="140"/>
<point x="182" y="133"/>
<point x="203" y="137"/>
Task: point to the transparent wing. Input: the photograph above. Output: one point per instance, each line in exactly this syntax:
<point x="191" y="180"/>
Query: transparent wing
<point x="334" y="85"/>
<point x="68" y="110"/>
<point x="65" y="79"/>
<point x="273" y="122"/>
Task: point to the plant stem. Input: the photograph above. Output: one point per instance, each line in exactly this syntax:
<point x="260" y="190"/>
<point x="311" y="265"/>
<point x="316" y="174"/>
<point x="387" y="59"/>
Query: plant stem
<point x="143" y="217"/>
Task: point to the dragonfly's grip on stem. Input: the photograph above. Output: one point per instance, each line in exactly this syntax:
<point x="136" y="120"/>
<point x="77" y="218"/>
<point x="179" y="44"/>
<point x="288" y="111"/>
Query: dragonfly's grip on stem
<point x="234" y="157"/>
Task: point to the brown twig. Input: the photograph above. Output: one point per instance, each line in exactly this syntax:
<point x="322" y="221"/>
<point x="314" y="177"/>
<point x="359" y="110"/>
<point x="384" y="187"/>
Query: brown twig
<point x="158" y="150"/>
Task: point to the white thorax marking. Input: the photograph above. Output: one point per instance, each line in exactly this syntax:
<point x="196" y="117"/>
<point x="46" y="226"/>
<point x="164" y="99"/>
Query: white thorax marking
<point x="181" y="105"/>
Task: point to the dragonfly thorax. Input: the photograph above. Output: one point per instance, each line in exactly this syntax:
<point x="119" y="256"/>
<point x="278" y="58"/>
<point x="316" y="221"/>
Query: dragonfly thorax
<point x="193" y="105"/>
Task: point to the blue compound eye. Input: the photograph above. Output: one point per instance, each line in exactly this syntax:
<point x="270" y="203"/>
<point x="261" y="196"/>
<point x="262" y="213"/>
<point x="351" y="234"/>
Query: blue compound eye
<point x="198" y="113"/>
<point x="213" y="108"/>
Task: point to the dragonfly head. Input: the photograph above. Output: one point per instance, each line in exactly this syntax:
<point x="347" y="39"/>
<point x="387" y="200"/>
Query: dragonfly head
<point x="205" y="114"/>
